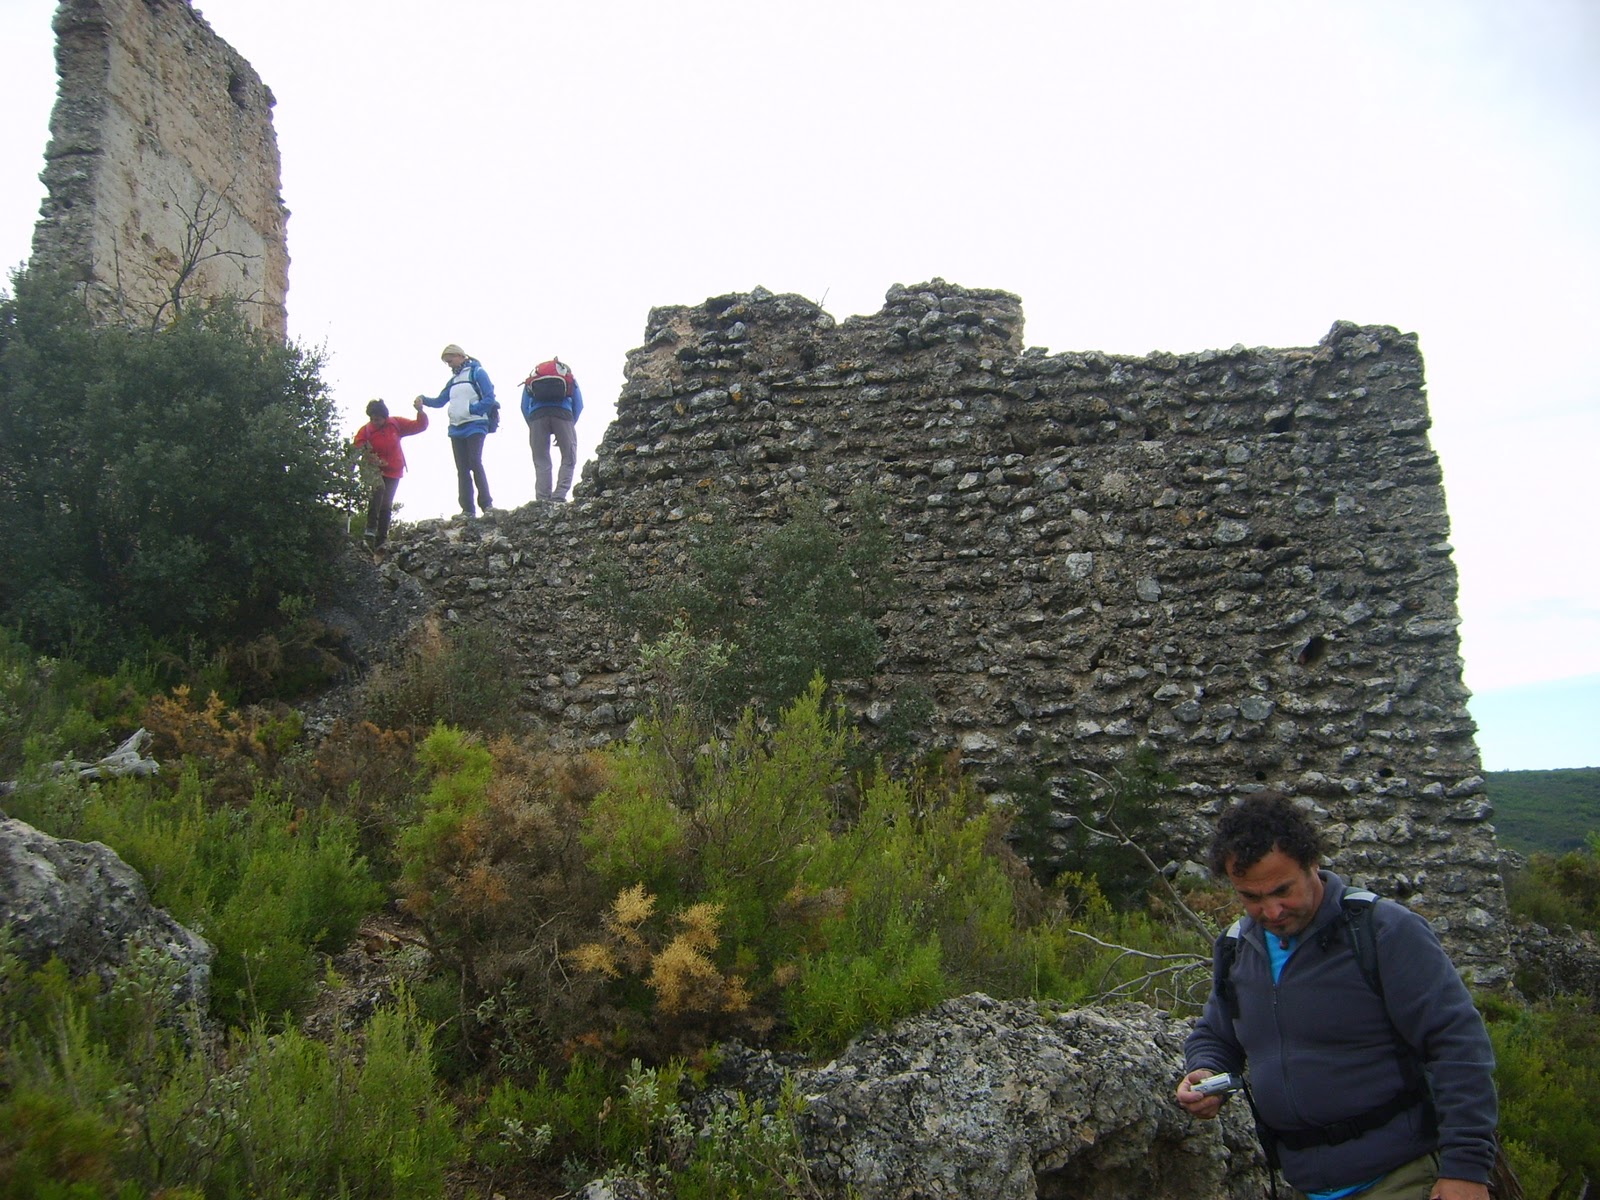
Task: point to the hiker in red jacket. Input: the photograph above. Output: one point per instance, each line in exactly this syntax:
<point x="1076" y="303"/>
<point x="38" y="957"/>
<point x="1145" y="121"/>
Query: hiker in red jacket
<point x="381" y="436"/>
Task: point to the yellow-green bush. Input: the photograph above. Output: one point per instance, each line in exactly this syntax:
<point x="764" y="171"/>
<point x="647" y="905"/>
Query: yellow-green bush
<point x="1547" y="1067"/>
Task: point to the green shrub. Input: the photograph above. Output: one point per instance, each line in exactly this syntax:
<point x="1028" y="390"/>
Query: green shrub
<point x="191" y="484"/>
<point x="368" y="775"/>
<point x="700" y="846"/>
<point x="54" y="708"/>
<point x="768" y="615"/>
<point x="843" y="991"/>
<point x="52" y="1150"/>
<point x="347" y="1119"/>
<point x="635" y="832"/>
<point x="635" y="1125"/>
<point x="1559" y="890"/>
<point x="115" y="1096"/>
<point x="930" y="910"/>
<point x="1547" y="1068"/>
<point x="577" y="1121"/>
<point x="445" y="679"/>
<point x="493" y="869"/>
<point x="1115" y="815"/>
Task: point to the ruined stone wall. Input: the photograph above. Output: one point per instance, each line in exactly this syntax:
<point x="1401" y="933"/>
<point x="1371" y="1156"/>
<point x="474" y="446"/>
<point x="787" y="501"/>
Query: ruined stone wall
<point x="1238" y="559"/>
<point x="162" y="170"/>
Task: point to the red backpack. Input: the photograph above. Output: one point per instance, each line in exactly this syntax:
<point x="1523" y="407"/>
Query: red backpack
<point x="550" y="382"/>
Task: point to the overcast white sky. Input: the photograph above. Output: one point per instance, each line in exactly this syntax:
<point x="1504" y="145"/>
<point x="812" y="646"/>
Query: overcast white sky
<point x="1147" y="175"/>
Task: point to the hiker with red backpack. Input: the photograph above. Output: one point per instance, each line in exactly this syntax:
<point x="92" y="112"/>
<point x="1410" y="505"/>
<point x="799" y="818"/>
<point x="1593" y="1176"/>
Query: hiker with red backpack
<point x="551" y="404"/>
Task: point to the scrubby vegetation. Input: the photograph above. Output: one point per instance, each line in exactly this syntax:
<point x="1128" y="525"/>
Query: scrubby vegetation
<point x="1545" y="812"/>
<point x="595" y="924"/>
<point x="577" y="932"/>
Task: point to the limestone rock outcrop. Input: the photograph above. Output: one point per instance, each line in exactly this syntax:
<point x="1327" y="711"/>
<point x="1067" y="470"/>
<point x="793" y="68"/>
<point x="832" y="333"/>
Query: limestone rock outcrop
<point x="1553" y="962"/>
<point x="981" y="1099"/>
<point x="81" y="902"/>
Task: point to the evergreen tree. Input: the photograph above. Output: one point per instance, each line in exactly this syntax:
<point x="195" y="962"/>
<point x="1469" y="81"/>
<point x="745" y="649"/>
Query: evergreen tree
<point x="170" y="485"/>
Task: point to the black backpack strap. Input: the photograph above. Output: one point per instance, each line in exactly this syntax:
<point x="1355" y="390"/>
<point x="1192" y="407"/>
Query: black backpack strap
<point x="1343" y="1131"/>
<point x="1358" y="904"/>
<point x="1223" y="953"/>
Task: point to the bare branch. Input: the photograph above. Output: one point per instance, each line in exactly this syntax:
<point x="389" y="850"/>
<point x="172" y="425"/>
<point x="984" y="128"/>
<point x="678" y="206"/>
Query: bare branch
<point x="1122" y="839"/>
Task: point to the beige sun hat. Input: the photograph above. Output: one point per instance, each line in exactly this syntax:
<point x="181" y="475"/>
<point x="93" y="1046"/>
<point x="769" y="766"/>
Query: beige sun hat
<point x="452" y="348"/>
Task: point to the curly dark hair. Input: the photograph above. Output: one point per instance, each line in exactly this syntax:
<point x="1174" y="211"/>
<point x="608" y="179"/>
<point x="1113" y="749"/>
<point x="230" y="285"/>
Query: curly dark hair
<point x="1256" y="826"/>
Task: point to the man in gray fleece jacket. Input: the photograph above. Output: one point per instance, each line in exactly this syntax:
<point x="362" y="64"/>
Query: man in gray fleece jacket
<point x="1384" y="1092"/>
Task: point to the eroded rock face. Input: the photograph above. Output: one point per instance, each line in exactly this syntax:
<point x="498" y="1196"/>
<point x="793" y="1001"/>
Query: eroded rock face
<point x="983" y="1098"/>
<point x="1563" y="962"/>
<point x="80" y="902"/>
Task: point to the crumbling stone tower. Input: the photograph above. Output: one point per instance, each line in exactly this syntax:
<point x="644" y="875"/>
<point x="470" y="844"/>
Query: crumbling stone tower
<point x="162" y="171"/>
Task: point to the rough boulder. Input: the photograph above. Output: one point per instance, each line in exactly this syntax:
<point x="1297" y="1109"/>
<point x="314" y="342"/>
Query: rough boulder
<point x="80" y="902"/>
<point x="982" y="1099"/>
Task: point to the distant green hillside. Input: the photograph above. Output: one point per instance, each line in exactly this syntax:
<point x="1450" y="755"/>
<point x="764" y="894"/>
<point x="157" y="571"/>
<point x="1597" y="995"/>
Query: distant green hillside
<point x="1549" y="812"/>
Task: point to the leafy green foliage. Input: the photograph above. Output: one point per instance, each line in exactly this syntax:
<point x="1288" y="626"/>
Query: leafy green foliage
<point x="157" y="487"/>
<point x="769" y="614"/>
<point x="745" y="884"/>
<point x="1548" y="812"/>
<point x="931" y="909"/>
<point x="55" y="708"/>
<point x="567" y="1120"/>
<point x="269" y="886"/>
<point x="493" y="869"/>
<point x="835" y="910"/>
<point x="1112" y="817"/>
<point x="346" y="1119"/>
<point x="1548" y="1072"/>
<point x="115" y="1096"/>
<point x="1559" y="891"/>
<point x="636" y="1123"/>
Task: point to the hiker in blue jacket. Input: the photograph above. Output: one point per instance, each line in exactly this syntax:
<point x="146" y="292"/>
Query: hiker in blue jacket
<point x="473" y="413"/>
<point x="552" y="402"/>
<point x="1379" y="1086"/>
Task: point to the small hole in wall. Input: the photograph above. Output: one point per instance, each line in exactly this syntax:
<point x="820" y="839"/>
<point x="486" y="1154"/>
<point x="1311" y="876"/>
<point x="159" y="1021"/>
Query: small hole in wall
<point x="1386" y="773"/>
<point x="1310" y="654"/>
<point x="237" y="89"/>
<point x="1261" y="776"/>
